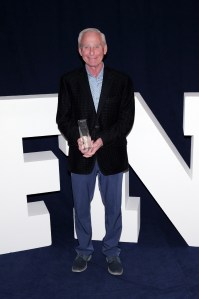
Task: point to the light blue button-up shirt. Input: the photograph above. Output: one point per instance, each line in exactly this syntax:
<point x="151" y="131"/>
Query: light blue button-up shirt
<point x="95" y="86"/>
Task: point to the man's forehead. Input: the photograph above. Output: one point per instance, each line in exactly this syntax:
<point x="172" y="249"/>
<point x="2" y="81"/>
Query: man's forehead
<point x="91" y="36"/>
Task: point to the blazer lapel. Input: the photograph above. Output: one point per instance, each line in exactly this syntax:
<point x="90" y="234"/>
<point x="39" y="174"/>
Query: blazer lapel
<point x="106" y="85"/>
<point x="86" y="88"/>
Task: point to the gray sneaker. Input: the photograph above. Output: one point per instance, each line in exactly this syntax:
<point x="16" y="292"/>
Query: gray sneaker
<point x="80" y="263"/>
<point x="114" y="265"/>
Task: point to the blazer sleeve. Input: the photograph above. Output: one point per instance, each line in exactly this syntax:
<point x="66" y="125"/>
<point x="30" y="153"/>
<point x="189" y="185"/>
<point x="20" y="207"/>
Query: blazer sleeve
<point x="65" y="120"/>
<point x="122" y="126"/>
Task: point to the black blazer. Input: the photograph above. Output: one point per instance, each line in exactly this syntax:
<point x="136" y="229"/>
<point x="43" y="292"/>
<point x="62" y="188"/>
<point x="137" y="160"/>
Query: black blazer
<point x="112" y="122"/>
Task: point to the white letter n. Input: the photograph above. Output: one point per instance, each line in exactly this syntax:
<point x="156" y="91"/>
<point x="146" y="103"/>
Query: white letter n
<point x="161" y="168"/>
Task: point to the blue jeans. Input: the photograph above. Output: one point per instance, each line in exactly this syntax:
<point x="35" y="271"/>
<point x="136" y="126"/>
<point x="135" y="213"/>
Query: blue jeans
<point x="111" y="193"/>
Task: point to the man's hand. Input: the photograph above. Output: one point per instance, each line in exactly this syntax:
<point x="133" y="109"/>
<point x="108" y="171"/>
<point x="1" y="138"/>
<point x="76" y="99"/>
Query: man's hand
<point x="82" y="147"/>
<point x="87" y="153"/>
<point x="95" y="146"/>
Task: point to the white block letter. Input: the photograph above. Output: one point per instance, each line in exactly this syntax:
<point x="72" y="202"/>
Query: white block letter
<point x="25" y="226"/>
<point x="161" y="168"/>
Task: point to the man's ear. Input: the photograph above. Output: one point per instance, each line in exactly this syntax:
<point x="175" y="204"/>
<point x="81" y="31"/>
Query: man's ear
<point x="80" y="51"/>
<point x="105" y="49"/>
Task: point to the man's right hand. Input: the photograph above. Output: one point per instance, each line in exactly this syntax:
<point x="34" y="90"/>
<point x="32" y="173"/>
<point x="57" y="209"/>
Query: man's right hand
<point x="81" y="146"/>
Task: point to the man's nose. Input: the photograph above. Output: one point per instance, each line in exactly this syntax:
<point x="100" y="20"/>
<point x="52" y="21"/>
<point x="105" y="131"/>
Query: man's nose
<point x="91" y="50"/>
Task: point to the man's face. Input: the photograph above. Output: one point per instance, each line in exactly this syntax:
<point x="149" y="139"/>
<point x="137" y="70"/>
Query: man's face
<point x="92" y="49"/>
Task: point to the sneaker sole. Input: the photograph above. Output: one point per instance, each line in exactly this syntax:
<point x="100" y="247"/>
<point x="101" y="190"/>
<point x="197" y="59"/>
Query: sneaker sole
<point x="115" y="273"/>
<point x="78" y="271"/>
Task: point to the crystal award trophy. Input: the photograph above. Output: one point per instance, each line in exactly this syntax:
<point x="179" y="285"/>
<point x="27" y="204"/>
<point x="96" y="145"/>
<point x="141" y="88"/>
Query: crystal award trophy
<point x="84" y="133"/>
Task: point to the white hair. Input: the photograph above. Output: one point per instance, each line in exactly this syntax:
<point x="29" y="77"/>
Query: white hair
<point x="90" y="30"/>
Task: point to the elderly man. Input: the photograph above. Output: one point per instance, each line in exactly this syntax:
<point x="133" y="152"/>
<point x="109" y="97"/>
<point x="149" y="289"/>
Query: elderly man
<point x="105" y="98"/>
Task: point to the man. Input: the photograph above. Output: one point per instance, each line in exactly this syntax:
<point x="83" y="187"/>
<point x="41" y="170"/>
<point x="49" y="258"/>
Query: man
<point x="105" y="98"/>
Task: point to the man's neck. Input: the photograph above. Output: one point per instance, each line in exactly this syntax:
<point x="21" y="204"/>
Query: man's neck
<point x="95" y="70"/>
